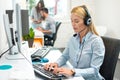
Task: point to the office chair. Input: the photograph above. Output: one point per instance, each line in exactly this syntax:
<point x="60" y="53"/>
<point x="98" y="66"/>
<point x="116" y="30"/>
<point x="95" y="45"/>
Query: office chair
<point x="49" y="41"/>
<point x="112" y="48"/>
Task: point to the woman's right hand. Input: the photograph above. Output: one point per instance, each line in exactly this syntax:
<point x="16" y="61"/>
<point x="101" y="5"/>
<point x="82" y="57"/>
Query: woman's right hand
<point x="50" y="66"/>
<point x="36" y="22"/>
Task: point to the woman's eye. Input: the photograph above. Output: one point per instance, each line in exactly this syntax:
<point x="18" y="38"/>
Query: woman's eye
<point x="76" y="21"/>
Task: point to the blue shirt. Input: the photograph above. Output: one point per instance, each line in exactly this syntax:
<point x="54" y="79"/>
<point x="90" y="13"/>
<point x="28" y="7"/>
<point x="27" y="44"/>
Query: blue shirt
<point x="85" y="57"/>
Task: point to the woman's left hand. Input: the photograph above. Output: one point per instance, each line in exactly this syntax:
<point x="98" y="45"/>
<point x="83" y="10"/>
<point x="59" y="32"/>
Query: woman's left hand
<point x="63" y="71"/>
<point x="40" y="29"/>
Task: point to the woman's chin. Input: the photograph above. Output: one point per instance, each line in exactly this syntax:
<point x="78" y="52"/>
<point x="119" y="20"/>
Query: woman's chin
<point x="75" y="31"/>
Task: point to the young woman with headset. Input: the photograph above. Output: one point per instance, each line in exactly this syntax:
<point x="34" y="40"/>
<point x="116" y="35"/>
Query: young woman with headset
<point x="85" y="49"/>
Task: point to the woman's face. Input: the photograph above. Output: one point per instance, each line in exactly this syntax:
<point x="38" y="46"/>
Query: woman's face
<point x="77" y="23"/>
<point x="39" y="5"/>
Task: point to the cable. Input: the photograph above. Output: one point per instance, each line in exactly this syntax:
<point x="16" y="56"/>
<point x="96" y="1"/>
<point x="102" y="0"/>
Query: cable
<point x="25" y="58"/>
<point x="5" y="51"/>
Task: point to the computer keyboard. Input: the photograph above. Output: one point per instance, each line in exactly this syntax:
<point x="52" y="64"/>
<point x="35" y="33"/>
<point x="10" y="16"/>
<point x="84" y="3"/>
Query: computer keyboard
<point x="41" y="52"/>
<point x="40" y="70"/>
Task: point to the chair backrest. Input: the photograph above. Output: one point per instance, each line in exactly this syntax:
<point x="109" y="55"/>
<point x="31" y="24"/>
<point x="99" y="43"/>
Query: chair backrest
<point x="57" y="26"/>
<point x="49" y="41"/>
<point x="55" y="34"/>
<point x="112" y="48"/>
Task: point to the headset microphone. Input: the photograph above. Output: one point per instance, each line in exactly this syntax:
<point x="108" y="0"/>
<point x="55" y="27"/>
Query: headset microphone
<point x="74" y="35"/>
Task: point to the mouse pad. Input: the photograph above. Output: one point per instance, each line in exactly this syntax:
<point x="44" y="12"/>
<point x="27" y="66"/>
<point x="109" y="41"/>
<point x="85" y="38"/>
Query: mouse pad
<point x="42" y="60"/>
<point x="5" y="67"/>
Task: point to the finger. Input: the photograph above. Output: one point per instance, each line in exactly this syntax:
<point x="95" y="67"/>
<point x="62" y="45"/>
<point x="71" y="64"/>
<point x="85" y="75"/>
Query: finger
<point x="51" y="69"/>
<point x="55" y="65"/>
<point x="46" y="67"/>
<point x="55" y="71"/>
<point x="51" y="65"/>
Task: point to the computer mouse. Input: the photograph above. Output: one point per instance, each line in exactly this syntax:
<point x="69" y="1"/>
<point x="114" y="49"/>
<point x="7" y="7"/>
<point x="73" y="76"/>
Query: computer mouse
<point x="36" y="59"/>
<point x="44" y="60"/>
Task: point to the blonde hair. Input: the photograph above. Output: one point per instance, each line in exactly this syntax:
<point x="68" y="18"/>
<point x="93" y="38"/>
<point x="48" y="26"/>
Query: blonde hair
<point x="81" y="12"/>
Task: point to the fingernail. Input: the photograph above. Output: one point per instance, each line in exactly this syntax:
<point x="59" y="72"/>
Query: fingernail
<point x="52" y="69"/>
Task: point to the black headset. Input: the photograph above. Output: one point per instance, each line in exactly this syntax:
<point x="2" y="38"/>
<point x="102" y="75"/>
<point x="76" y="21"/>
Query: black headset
<point x="87" y="19"/>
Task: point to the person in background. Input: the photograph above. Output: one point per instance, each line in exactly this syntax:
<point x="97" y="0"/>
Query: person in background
<point x="35" y="15"/>
<point x="48" y="23"/>
<point x="85" y="50"/>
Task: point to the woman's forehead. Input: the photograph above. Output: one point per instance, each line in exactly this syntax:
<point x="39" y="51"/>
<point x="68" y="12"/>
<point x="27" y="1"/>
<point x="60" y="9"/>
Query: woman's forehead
<point x="75" y="16"/>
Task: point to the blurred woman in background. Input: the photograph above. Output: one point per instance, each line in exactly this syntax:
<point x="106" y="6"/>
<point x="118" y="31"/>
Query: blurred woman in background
<point x="35" y="14"/>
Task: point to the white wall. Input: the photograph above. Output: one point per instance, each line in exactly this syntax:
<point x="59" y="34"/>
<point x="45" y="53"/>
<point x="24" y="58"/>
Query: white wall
<point x="107" y="12"/>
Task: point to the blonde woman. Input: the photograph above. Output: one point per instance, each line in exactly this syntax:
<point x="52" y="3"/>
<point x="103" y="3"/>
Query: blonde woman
<point x="85" y="49"/>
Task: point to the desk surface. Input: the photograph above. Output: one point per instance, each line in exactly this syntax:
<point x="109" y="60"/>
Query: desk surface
<point x="23" y="70"/>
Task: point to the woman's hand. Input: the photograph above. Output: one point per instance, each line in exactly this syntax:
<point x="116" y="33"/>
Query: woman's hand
<point x="40" y="29"/>
<point x="51" y="66"/>
<point x="63" y="71"/>
<point x="37" y="21"/>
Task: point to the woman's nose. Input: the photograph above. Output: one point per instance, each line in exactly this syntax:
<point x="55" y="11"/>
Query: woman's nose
<point x="73" y="24"/>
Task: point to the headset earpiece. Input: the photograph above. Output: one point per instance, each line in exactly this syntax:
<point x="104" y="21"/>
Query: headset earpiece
<point x="87" y="19"/>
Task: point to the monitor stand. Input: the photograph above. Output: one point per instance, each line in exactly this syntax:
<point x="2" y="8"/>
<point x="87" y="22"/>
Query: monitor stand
<point x="14" y="57"/>
<point x="14" y="54"/>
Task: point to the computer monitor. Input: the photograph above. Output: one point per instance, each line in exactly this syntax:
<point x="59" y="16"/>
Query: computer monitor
<point x="9" y="32"/>
<point x="16" y="32"/>
<point x="18" y="25"/>
<point x="24" y="20"/>
<point x="10" y="15"/>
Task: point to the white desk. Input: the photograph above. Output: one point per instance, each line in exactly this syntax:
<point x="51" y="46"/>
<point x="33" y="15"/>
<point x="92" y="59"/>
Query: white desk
<point x="23" y="70"/>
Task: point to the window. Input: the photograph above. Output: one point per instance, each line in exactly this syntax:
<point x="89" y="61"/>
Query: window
<point x="55" y="7"/>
